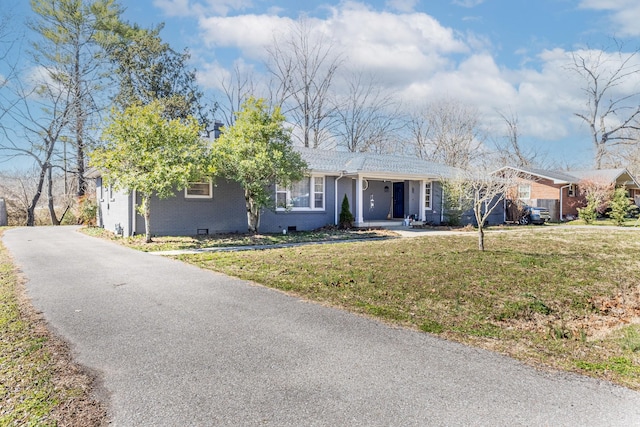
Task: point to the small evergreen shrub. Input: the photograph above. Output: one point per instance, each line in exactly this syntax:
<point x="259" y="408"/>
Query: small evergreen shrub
<point x="620" y="206"/>
<point x="346" y="217"/>
<point x="589" y="213"/>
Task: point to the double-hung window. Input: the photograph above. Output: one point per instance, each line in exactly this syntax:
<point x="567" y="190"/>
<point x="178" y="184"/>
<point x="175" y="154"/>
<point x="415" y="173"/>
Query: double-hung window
<point x="524" y="191"/>
<point x="427" y="195"/>
<point x="199" y="190"/>
<point x="306" y="194"/>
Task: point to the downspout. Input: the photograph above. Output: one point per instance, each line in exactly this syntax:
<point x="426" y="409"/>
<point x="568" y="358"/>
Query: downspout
<point x="335" y="196"/>
<point x="504" y="211"/>
<point x="566" y="186"/>
<point x="132" y="226"/>
<point x="441" y="203"/>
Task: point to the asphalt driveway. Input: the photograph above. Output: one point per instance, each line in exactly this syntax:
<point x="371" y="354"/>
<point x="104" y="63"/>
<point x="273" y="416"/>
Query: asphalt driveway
<point x="176" y="346"/>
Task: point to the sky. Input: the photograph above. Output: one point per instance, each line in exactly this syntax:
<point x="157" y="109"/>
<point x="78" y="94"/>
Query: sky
<point x="500" y="56"/>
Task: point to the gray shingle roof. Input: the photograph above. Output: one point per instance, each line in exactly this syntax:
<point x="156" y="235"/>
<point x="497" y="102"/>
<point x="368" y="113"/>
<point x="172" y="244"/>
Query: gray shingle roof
<point x="574" y="177"/>
<point x="370" y="163"/>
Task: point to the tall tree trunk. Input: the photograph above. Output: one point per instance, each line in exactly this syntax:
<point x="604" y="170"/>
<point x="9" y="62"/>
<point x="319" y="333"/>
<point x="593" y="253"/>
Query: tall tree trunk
<point x="31" y="215"/>
<point x="50" y="203"/>
<point x="481" y="237"/>
<point x="79" y="125"/>
<point x="601" y="151"/>
<point x="146" y="213"/>
<point x="253" y="212"/>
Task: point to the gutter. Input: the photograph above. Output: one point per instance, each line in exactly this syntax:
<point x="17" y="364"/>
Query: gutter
<point x="441" y="203"/>
<point x="335" y="196"/>
<point x="132" y="226"/>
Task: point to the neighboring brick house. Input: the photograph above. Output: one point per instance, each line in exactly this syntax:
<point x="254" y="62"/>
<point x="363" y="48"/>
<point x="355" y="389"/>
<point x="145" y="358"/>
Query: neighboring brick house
<point x="561" y="192"/>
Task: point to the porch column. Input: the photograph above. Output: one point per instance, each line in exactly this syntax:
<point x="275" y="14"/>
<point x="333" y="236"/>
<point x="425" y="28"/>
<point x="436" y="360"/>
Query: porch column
<point x="423" y="198"/>
<point x="359" y="217"/>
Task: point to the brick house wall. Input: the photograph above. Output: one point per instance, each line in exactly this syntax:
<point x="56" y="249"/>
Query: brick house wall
<point x="543" y="189"/>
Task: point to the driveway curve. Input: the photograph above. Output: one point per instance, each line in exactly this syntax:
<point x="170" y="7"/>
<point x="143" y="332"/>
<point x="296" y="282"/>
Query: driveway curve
<point x="175" y="345"/>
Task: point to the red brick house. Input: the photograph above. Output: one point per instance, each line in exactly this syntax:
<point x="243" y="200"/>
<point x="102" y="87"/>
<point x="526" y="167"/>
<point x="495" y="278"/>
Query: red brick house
<point x="560" y="191"/>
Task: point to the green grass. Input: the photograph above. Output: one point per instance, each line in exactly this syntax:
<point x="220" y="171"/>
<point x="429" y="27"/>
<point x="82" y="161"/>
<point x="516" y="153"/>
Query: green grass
<point x="545" y="296"/>
<point x="38" y="385"/>
<point x="164" y="243"/>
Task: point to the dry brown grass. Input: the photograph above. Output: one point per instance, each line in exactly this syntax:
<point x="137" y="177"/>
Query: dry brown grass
<point x="40" y="385"/>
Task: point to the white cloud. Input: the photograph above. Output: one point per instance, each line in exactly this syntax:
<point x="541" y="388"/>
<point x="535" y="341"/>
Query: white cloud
<point x="380" y="42"/>
<point x="402" y="5"/>
<point x="468" y="3"/>
<point x="248" y="33"/>
<point x="625" y="14"/>
<point x="206" y="7"/>
<point x="420" y="60"/>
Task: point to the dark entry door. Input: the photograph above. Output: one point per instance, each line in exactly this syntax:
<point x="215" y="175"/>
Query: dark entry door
<point x="398" y="199"/>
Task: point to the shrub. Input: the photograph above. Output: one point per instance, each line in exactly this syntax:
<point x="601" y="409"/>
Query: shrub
<point x="620" y="206"/>
<point x="346" y="217"/>
<point x="87" y="211"/>
<point x="589" y="213"/>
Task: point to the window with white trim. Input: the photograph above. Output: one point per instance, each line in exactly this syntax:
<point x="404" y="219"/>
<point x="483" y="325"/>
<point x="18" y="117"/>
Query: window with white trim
<point x="199" y="190"/>
<point x="306" y="194"/>
<point x="524" y="191"/>
<point x="427" y="195"/>
<point x="571" y="191"/>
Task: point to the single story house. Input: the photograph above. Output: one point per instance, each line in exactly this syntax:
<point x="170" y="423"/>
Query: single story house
<point x="380" y="188"/>
<point x="561" y="191"/>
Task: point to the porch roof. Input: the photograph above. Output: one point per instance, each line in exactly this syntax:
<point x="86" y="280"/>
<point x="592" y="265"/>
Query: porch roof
<point x="373" y="165"/>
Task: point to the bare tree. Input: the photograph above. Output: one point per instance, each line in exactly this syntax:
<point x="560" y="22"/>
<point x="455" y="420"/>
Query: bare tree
<point x="446" y="132"/>
<point x="303" y="64"/>
<point x="34" y="124"/>
<point x="236" y="89"/>
<point x="509" y="150"/>
<point x="612" y="109"/>
<point x="367" y="116"/>
<point x="481" y="192"/>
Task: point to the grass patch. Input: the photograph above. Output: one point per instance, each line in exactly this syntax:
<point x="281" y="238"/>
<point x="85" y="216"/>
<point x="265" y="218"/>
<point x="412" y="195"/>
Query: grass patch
<point x="39" y="386"/>
<point x="628" y="222"/>
<point x="168" y="243"/>
<point x="554" y="297"/>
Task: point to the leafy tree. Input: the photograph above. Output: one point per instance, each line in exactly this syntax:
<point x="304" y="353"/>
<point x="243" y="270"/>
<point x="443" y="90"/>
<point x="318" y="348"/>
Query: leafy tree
<point x="70" y="52"/>
<point x="149" y="154"/>
<point x="257" y="153"/>
<point x="148" y="70"/>
<point x="620" y="205"/>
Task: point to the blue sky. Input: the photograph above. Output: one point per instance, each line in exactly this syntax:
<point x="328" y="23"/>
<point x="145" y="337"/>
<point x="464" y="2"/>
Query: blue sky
<point x="497" y="55"/>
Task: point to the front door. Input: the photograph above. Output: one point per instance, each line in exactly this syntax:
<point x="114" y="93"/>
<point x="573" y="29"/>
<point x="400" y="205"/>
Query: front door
<point x="398" y="199"/>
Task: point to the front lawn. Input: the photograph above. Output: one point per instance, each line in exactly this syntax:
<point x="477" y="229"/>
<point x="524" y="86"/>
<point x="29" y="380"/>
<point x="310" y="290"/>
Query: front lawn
<point x="164" y="243"/>
<point x="557" y="297"/>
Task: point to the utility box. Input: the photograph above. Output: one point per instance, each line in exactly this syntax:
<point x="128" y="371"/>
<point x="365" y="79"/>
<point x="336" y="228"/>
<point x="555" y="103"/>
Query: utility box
<point x="3" y="213"/>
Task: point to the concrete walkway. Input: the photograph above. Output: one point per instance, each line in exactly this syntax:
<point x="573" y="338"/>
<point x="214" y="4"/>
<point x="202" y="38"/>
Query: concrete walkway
<point x="175" y="346"/>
